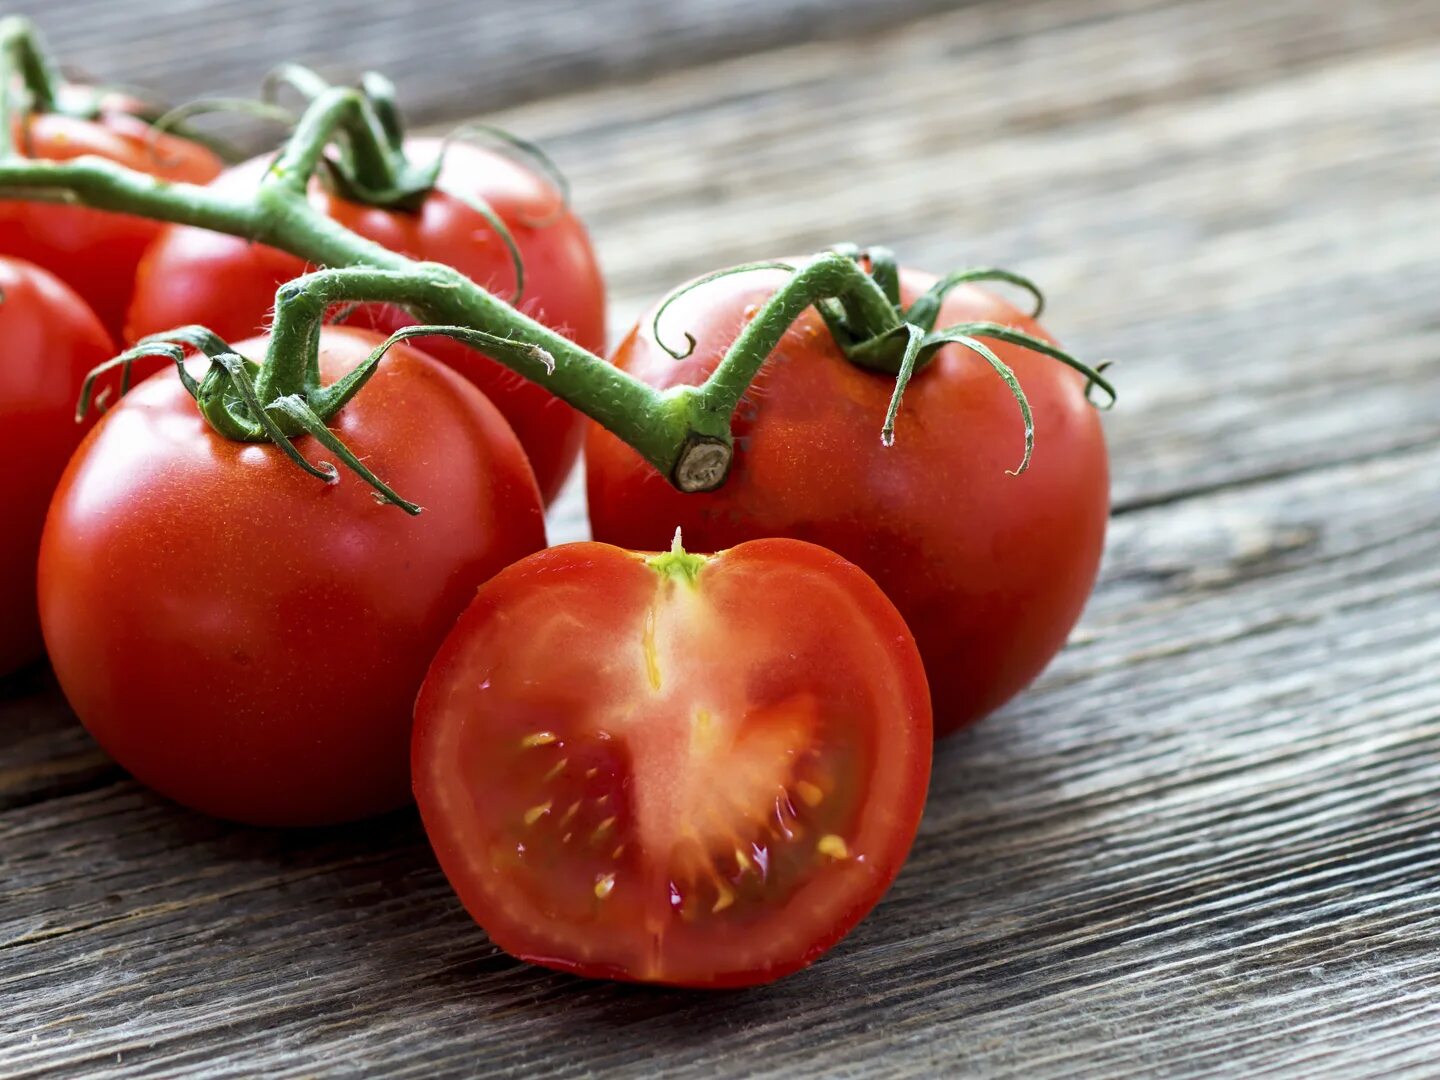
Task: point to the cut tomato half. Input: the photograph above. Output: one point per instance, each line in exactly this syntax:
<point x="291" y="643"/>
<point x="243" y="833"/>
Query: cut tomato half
<point x="674" y="768"/>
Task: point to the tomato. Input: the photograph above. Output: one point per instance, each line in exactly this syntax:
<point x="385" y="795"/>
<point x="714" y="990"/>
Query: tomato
<point x="674" y="769"/>
<point x="227" y="284"/>
<point x="990" y="570"/>
<point x="248" y="640"/>
<point x="49" y="340"/>
<point x="94" y="251"/>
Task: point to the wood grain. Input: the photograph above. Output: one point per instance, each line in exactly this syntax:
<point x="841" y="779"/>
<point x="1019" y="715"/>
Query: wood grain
<point x="448" y="57"/>
<point x="1206" y="842"/>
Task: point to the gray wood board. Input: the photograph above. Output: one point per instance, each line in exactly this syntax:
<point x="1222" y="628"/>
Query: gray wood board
<point x="1208" y="840"/>
<point x="448" y="57"/>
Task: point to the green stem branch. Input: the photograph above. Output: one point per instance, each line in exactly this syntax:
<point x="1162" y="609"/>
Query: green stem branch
<point x="832" y="276"/>
<point x="654" y="423"/>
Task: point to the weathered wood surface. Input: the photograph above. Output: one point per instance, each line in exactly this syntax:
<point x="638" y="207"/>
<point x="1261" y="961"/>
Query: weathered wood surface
<point x="1207" y="841"/>
<point x="447" y="56"/>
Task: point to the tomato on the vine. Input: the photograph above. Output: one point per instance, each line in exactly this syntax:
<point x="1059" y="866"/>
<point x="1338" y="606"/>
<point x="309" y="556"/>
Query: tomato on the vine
<point x="49" y="340"/>
<point x="700" y="771"/>
<point x="95" y="252"/>
<point x="228" y="284"/>
<point x="249" y="641"/>
<point x="990" y="569"/>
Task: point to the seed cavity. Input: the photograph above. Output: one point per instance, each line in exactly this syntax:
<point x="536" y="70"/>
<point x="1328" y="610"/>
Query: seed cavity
<point x="556" y="770"/>
<point x="535" y="813"/>
<point x="834" y="846"/>
<point x="539" y="738"/>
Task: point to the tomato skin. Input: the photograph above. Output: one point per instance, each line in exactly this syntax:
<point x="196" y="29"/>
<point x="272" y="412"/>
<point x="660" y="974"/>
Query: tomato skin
<point x="990" y="570"/>
<point x="248" y="640"/>
<point x="227" y="284"/>
<point x="776" y="706"/>
<point x="49" y="341"/>
<point x="95" y="252"/>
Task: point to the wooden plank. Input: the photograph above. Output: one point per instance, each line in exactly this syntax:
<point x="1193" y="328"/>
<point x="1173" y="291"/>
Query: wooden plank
<point x="448" y="57"/>
<point x="1219" y="804"/>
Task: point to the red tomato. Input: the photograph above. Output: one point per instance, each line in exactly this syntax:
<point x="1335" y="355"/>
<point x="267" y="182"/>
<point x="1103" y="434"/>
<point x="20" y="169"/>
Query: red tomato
<point x="227" y="284"/>
<point x="990" y="570"/>
<point x="49" y="340"/>
<point x="248" y="640"/>
<point x="94" y="251"/>
<point x="675" y="769"/>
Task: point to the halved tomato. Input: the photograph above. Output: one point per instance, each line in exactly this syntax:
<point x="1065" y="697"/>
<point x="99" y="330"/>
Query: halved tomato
<point x="682" y="769"/>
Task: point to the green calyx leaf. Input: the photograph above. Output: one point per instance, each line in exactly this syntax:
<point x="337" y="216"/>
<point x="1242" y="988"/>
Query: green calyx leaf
<point x="228" y="397"/>
<point x="677" y="564"/>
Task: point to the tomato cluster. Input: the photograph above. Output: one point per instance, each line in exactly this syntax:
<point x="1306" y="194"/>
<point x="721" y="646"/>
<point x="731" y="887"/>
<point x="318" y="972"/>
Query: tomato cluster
<point x="693" y="769"/>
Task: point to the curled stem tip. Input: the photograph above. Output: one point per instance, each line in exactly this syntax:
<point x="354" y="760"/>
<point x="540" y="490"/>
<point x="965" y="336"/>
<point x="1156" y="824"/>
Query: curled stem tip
<point x="926" y="309"/>
<point x="743" y="268"/>
<point x="1093" y="382"/>
<point x="532" y="154"/>
<point x="916" y="339"/>
<point x="958" y="336"/>
<point x="175" y="122"/>
<point x="497" y="226"/>
<point x="306" y="82"/>
<point x="1001" y="332"/>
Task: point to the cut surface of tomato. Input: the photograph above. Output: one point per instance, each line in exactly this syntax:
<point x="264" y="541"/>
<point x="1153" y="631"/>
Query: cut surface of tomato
<point x="680" y="769"/>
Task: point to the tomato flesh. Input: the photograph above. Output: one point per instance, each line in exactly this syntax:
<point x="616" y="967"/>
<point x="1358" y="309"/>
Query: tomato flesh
<point x="705" y="779"/>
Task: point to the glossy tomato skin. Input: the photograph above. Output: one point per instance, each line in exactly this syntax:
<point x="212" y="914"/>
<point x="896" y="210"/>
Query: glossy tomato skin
<point x="227" y="284"/>
<point x="990" y="570"/>
<point x="698" y="781"/>
<point x="49" y="340"/>
<point x="95" y="252"/>
<point x="248" y="640"/>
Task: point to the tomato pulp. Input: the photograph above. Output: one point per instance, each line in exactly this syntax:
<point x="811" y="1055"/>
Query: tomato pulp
<point x="990" y="570"/>
<point x="95" y="252"/>
<point x="49" y="340"/>
<point x="248" y="640"/>
<point x="195" y="276"/>
<point x="674" y="769"/>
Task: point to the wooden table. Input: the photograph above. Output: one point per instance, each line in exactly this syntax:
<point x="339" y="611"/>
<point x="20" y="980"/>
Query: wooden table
<point x="1206" y="841"/>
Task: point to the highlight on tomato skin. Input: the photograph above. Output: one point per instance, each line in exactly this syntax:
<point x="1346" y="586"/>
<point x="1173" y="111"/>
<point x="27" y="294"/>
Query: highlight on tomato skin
<point x="679" y="769"/>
